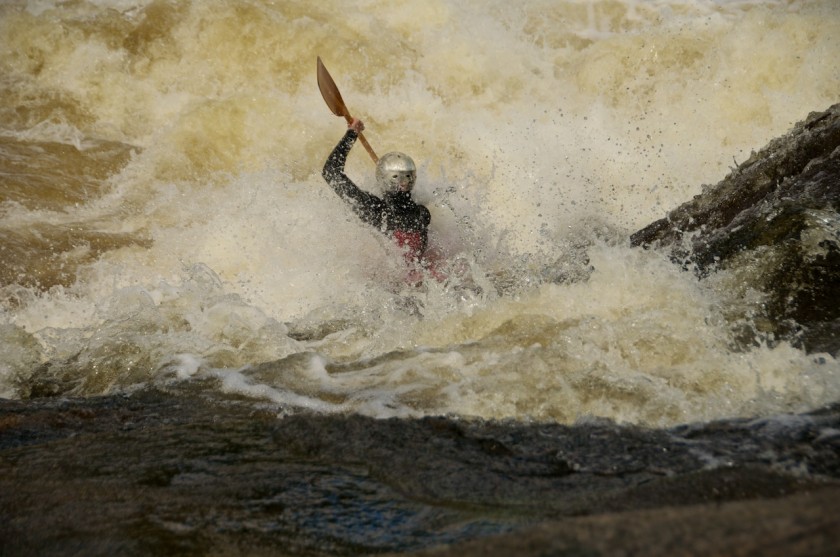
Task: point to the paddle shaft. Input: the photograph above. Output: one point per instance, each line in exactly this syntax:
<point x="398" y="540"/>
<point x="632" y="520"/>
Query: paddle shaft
<point x="332" y="96"/>
<point x="364" y="141"/>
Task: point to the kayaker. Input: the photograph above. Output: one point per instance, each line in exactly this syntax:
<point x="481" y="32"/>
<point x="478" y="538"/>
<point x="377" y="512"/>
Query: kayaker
<point x="395" y="214"/>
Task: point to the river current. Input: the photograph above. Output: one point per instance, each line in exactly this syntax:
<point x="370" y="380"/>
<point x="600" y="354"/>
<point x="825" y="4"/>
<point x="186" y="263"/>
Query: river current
<point x="163" y="220"/>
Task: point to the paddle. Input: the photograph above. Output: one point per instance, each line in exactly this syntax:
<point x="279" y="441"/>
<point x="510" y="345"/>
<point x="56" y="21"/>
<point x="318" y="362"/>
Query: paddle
<point x="333" y="99"/>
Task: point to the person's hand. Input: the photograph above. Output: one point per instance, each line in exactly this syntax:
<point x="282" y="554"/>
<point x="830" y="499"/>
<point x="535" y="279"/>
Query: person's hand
<point x="356" y="125"/>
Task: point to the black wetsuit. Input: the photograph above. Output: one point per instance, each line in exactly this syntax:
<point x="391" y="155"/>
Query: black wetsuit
<point x="395" y="214"/>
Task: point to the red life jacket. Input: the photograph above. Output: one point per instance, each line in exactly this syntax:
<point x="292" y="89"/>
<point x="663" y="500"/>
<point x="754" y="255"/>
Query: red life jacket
<point x="414" y="247"/>
<point x="412" y="244"/>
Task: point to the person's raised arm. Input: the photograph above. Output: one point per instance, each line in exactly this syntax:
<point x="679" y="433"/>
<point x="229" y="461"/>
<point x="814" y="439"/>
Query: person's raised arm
<point x="333" y="171"/>
<point x="367" y="206"/>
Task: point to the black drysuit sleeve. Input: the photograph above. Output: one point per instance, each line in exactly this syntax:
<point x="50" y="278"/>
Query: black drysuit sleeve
<point x="367" y="206"/>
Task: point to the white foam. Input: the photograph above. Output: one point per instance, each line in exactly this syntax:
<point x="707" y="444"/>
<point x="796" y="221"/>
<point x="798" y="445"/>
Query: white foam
<point x="544" y="133"/>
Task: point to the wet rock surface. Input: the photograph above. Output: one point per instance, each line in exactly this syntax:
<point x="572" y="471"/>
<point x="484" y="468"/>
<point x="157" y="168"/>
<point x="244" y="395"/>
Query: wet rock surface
<point x="163" y="473"/>
<point x="801" y="524"/>
<point x="776" y="219"/>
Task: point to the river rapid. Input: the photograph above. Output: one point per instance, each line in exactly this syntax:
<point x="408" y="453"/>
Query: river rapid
<point x="164" y="221"/>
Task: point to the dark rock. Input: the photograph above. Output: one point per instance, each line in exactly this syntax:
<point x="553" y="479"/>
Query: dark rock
<point x="801" y="524"/>
<point x="159" y="473"/>
<point x="775" y="219"/>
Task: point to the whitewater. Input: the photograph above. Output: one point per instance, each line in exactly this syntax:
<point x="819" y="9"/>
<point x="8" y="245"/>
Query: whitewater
<point x="163" y="220"/>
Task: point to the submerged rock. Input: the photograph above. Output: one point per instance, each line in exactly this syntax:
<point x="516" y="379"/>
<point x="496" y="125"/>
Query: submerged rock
<point x="774" y="220"/>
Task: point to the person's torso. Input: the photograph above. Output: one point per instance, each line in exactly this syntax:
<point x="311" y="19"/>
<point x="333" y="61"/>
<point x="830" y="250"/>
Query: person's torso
<point x="407" y="222"/>
<point x="405" y="216"/>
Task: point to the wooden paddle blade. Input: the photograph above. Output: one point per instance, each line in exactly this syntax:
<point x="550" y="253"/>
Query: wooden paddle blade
<point x="330" y="92"/>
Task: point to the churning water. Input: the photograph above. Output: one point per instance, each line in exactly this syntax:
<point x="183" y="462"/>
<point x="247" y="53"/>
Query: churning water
<point x="164" y="221"/>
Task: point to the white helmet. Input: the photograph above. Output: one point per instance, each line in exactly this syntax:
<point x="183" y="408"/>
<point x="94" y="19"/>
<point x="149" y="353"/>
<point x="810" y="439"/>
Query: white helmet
<point x="395" y="172"/>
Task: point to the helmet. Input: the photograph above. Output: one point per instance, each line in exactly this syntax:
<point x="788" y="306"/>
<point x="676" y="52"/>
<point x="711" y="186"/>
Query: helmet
<point x="395" y="172"/>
